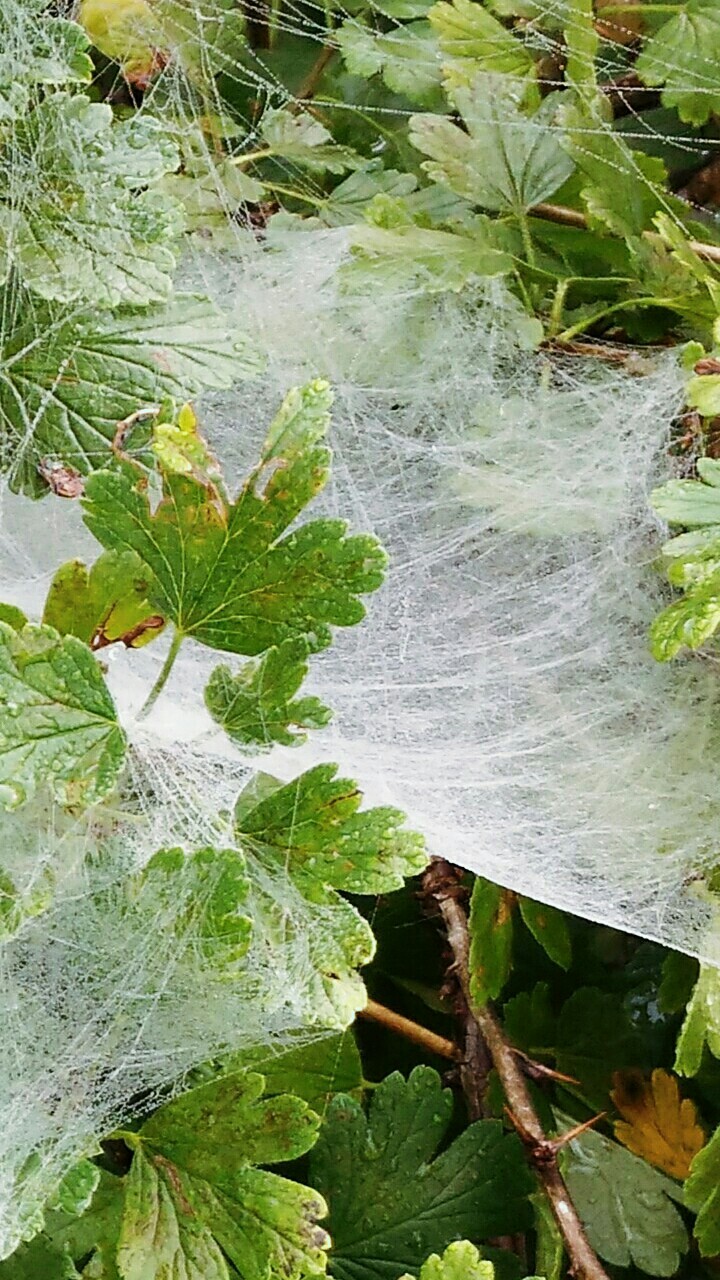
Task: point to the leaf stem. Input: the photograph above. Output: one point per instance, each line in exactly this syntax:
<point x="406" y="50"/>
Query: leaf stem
<point x="250" y="157"/>
<point x="163" y="677"/>
<point x="527" y="240"/>
<point x="413" y="1031"/>
<point x="443" y="885"/>
<point x="627" y="305"/>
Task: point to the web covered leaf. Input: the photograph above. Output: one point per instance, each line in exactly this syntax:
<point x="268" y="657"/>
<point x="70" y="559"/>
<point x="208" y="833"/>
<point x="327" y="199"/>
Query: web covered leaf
<point x="412" y="257"/>
<point x="58" y="724"/>
<point x="506" y="161"/>
<point x="143" y="36"/>
<point x="621" y="188"/>
<point x="56" y="230"/>
<point x="55" y="52"/>
<point x="194" y="1198"/>
<point x="683" y="56"/>
<point x="221" y="571"/>
<point x="304" y="140"/>
<point x="405" y="57"/>
<point x="103" y="604"/>
<point x="468" y="31"/>
<point x="201" y="895"/>
<point x="392" y="1200"/>
<point x="66" y="379"/>
<point x="257" y="707"/>
<point x="625" y="1205"/>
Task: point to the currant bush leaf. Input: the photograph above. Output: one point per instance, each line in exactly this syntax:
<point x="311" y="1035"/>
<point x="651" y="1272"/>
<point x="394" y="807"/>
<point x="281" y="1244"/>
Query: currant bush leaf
<point x="625" y="1205"/>
<point x="406" y="57"/>
<point x="305" y="141"/>
<point x="693" y="561"/>
<point x="193" y="1181"/>
<point x="657" y="1123"/>
<point x="313" y="1072"/>
<point x="58" y="724"/>
<point x="413" y="257"/>
<point x="684" y="56"/>
<point x="702" y="1195"/>
<point x="222" y="572"/>
<point x="316" y="828"/>
<point x="257" y="707"/>
<point x="506" y="161"/>
<point x="466" y="30"/>
<point x="548" y="927"/>
<point x="490" y="926"/>
<point x="200" y="895"/>
<point x="103" y="604"/>
<point x="701" y="1025"/>
<point x="621" y="188"/>
<point x="100" y="369"/>
<point x="392" y="1200"/>
<point x="460" y="1261"/>
<point x="57" y="232"/>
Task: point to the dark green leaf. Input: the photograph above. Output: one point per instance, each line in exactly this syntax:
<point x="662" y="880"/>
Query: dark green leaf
<point x="257" y="707"/>
<point x="548" y="926"/>
<point x="490" y="926"/>
<point x="702" y="1194"/>
<point x="391" y="1202"/>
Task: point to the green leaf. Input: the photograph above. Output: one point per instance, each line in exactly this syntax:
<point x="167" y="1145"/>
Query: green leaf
<point x="200" y="895"/>
<point x="703" y="394"/>
<point x="314" y="827"/>
<point x="679" y="975"/>
<point x="160" y="1235"/>
<point x="490" y="927"/>
<point x="466" y="30"/>
<point x="687" y="623"/>
<point x="506" y="162"/>
<point x="313" y="1072"/>
<point x="392" y="1201"/>
<point x="57" y="231"/>
<point x="695" y="503"/>
<point x="595" y="1038"/>
<point x="347" y="201"/>
<point x="406" y="57"/>
<point x="196" y="1183"/>
<point x="221" y="571"/>
<point x="58" y="724"/>
<point x="702" y="1195"/>
<point x="413" y="257"/>
<point x="684" y="57"/>
<point x="102" y="604"/>
<point x="548" y="927"/>
<point x="460" y="1261"/>
<point x="702" y="1023"/>
<point x="625" y="1205"/>
<point x="623" y="189"/>
<point x="75" y="1192"/>
<point x="305" y="141"/>
<point x="13" y="616"/>
<point x="67" y="380"/>
<point x="530" y="1022"/>
<point x="54" y="52"/>
<point x="257" y="707"/>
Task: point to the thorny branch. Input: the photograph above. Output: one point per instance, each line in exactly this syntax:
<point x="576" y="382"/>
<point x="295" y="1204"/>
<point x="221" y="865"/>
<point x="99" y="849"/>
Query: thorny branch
<point x="441" y="884"/>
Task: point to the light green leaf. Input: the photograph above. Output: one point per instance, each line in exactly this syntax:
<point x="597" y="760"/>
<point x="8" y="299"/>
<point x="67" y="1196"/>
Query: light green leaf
<point x="314" y="826"/>
<point x="54" y="52"/>
<point x="159" y="1238"/>
<point x="702" y="1023"/>
<point x="406" y="57"/>
<point x="702" y="1195"/>
<point x="548" y="926"/>
<point x="625" y="1205"/>
<point x="411" y="257"/>
<point x="196" y="1183"/>
<point x="695" y="503"/>
<point x="460" y="1261"/>
<point x="684" y="57"/>
<point x="490" y="927"/>
<point x="305" y="141"/>
<point x="56" y="230"/>
<point x="506" y="161"/>
<point x="392" y="1200"/>
<point x="703" y="394"/>
<point x="466" y="30"/>
<point x="257" y="707"/>
<point x="687" y="623"/>
<point x="67" y="380"/>
<point x="228" y="578"/>
<point x="58" y="724"/>
<point x="75" y="1192"/>
<point x="347" y="201"/>
<point x="102" y="604"/>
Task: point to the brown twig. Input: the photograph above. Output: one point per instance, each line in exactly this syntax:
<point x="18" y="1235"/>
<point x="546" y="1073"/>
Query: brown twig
<point x="442" y="884"/>
<point x="413" y="1031"/>
<point x="308" y="88"/>
<point x="574" y="218"/>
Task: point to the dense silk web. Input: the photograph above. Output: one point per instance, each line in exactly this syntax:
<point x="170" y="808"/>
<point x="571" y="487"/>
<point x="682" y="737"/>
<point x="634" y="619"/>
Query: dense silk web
<point x="501" y="690"/>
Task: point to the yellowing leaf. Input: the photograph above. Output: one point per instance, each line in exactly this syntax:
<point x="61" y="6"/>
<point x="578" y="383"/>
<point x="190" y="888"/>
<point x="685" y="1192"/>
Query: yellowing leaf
<point x="657" y="1123"/>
